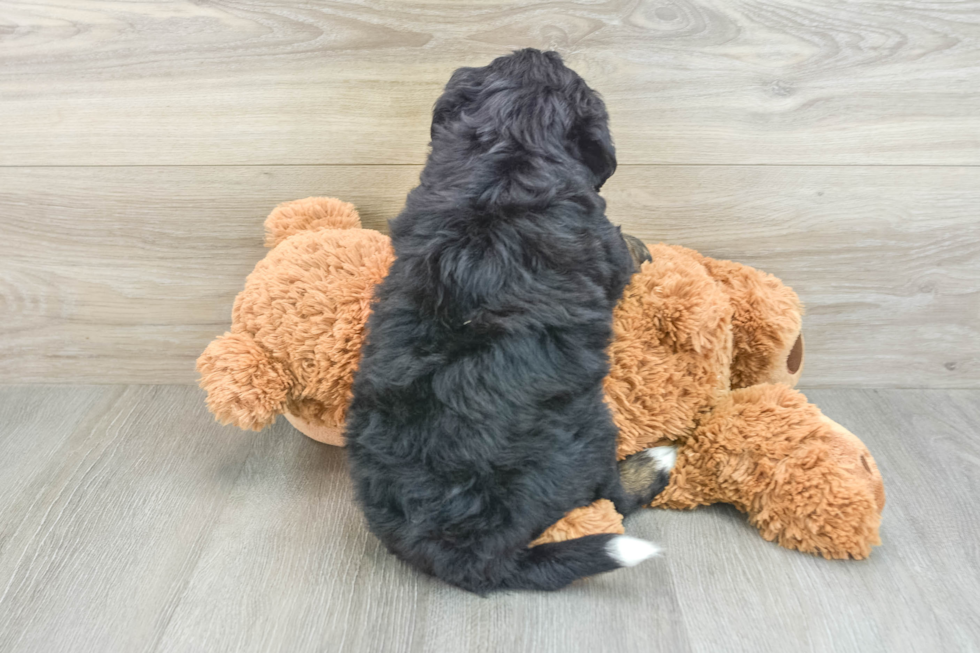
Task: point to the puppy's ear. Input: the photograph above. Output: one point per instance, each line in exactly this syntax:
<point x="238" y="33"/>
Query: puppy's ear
<point x="591" y="137"/>
<point x="460" y="90"/>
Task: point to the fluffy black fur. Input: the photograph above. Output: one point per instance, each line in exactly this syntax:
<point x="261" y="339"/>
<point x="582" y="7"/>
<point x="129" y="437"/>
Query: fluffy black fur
<point x="478" y="417"/>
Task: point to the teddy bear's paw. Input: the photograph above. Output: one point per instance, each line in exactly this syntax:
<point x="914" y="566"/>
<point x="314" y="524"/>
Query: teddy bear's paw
<point x="646" y="474"/>
<point x="246" y="386"/>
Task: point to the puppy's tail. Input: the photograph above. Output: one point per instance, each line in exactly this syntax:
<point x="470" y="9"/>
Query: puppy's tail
<point x="554" y="565"/>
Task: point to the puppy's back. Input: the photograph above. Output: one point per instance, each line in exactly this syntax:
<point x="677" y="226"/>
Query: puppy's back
<point x="478" y="417"/>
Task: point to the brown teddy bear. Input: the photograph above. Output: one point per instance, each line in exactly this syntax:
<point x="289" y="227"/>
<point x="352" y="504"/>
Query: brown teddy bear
<point x="704" y="357"/>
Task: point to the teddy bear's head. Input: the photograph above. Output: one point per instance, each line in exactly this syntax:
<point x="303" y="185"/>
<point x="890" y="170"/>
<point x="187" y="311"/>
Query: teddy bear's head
<point x="298" y="325"/>
<point x="689" y="330"/>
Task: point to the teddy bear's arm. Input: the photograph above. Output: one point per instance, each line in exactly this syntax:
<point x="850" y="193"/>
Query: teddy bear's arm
<point x="804" y="481"/>
<point x="245" y="385"/>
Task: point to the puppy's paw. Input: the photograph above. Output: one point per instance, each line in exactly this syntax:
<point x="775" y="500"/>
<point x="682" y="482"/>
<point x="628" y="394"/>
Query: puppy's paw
<point x="638" y="251"/>
<point x="665" y="457"/>
<point x="645" y="474"/>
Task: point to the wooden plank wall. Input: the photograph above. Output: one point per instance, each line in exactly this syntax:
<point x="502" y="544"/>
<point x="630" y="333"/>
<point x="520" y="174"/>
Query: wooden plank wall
<point x="834" y="144"/>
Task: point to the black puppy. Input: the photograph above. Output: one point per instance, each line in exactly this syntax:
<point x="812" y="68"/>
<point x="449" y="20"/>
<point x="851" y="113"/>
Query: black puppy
<point x="478" y="417"/>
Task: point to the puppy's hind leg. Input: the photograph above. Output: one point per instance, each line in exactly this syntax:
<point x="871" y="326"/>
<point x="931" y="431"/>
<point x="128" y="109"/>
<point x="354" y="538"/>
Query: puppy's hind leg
<point x="644" y="475"/>
<point x="641" y="477"/>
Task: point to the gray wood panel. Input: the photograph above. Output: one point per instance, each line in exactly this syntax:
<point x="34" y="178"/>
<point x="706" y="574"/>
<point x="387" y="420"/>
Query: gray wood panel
<point x="104" y="521"/>
<point x="35" y="427"/>
<point x="124" y="274"/>
<point x="139" y="525"/>
<point x="700" y="81"/>
<point x="887" y="261"/>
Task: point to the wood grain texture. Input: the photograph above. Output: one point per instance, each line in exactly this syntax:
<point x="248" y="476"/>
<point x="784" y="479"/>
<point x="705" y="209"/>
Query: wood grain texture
<point x="687" y="81"/>
<point x="125" y="274"/>
<point x="105" y="267"/>
<point x="291" y="567"/>
<point x="887" y="261"/>
<point x="149" y="528"/>
<point x="109" y="513"/>
<point x="35" y="428"/>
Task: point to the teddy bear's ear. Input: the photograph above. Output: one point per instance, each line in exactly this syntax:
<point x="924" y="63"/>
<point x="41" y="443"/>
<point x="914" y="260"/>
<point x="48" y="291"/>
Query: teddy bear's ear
<point x="309" y="214"/>
<point x="246" y="387"/>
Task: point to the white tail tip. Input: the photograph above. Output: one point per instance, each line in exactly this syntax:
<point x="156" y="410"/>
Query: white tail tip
<point x="630" y="551"/>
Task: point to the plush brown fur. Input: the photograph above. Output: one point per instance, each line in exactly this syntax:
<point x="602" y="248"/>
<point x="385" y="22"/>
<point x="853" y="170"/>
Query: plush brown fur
<point x="298" y="326"/>
<point x="705" y="356"/>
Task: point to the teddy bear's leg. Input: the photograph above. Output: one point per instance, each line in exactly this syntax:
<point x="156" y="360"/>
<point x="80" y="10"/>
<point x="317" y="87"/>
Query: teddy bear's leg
<point x="804" y="481"/>
<point x="598" y="517"/>
<point x="308" y="214"/>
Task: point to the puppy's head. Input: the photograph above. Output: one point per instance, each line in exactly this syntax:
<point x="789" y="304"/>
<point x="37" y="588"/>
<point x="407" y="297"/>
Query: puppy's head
<point x="527" y="106"/>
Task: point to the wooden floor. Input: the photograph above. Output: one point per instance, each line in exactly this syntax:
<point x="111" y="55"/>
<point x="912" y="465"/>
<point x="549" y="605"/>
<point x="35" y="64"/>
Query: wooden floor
<point x="130" y="521"/>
